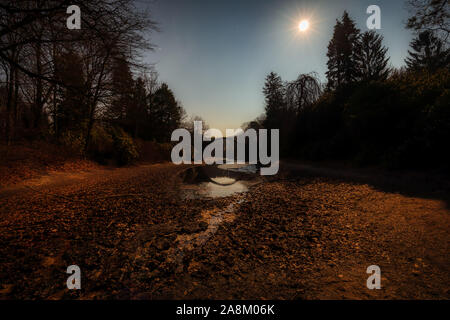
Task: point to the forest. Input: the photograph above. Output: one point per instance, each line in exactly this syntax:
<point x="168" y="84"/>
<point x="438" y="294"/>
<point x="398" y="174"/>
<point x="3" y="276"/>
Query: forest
<point x="369" y="113"/>
<point x="90" y="92"/>
<point x="85" y="90"/>
<point x="92" y="208"/>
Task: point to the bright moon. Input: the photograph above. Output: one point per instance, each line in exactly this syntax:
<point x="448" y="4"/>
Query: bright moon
<point x="303" y="26"/>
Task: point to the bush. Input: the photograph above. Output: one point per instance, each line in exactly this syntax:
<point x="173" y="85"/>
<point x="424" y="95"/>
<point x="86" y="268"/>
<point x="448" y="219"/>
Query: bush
<point x="74" y="141"/>
<point x="106" y="143"/>
<point x="153" y="152"/>
<point x="166" y="150"/>
<point x="102" y="144"/>
<point x="403" y="122"/>
<point x="125" y="150"/>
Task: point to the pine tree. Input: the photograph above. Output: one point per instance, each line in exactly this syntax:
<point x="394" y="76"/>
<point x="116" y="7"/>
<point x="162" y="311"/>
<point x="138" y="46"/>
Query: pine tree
<point x="137" y="115"/>
<point x="274" y="100"/>
<point x="122" y="89"/>
<point x="342" y="67"/>
<point x="371" y="57"/>
<point x="334" y="64"/>
<point x="165" y="113"/>
<point x="428" y="53"/>
<point x="71" y="111"/>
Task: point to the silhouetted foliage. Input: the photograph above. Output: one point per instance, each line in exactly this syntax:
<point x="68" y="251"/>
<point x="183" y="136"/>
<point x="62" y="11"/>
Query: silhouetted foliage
<point x="70" y="108"/>
<point x="369" y="114"/>
<point x="428" y="52"/>
<point x="122" y="91"/>
<point x="342" y="66"/>
<point x="165" y="113"/>
<point x="430" y="15"/>
<point x="274" y="97"/>
<point x="137" y="116"/>
<point x="371" y="57"/>
<point x="302" y="92"/>
<point x="79" y="87"/>
<point x="284" y="103"/>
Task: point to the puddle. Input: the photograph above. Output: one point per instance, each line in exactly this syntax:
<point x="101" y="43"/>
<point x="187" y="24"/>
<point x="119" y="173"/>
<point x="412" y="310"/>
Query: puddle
<point x="214" y="182"/>
<point x="212" y="190"/>
<point x="214" y="218"/>
<point x="211" y="182"/>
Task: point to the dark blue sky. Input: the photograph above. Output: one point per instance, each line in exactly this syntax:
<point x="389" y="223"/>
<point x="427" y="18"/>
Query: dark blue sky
<point x="216" y="54"/>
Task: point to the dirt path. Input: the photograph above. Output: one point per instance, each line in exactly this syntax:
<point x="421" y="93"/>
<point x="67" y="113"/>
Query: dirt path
<point x="307" y="235"/>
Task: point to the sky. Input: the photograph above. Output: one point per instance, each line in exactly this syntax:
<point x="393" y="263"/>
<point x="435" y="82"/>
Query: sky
<point x="215" y="54"/>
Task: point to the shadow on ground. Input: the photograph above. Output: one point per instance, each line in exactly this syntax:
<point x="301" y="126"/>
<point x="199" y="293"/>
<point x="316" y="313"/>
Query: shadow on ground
<point x="412" y="184"/>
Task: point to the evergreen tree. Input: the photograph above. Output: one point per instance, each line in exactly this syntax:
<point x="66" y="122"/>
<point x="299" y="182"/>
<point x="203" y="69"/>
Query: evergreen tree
<point x="165" y="113"/>
<point x="274" y="100"/>
<point x="137" y="116"/>
<point x="342" y="66"/>
<point x="71" y="111"/>
<point x="334" y="73"/>
<point x="122" y="90"/>
<point x="371" y="57"/>
<point x="428" y="53"/>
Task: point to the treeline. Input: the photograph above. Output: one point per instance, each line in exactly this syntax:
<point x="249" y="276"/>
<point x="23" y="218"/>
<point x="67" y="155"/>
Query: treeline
<point x="86" y="89"/>
<point x="367" y="112"/>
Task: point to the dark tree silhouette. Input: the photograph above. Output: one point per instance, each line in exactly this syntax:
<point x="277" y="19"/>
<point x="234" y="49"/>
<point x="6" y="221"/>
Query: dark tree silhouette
<point x="137" y="116"/>
<point x="165" y="113"/>
<point x="122" y="91"/>
<point x="342" y="67"/>
<point x="303" y="92"/>
<point x="71" y="110"/>
<point x="33" y="35"/>
<point x="371" y="57"/>
<point x="430" y="15"/>
<point x="427" y="52"/>
<point x="274" y="97"/>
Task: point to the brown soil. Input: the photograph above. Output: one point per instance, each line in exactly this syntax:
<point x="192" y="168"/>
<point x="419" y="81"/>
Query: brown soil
<point x="307" y="234"/>
<point x="31" y="160"/>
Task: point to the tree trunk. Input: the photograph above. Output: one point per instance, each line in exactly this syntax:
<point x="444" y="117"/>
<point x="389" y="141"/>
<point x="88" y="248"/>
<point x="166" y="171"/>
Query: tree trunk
<point x="39" y="91"/>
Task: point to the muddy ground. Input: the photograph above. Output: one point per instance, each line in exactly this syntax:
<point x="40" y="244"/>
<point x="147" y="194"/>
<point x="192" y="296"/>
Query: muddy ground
<point x="309" y="233"/>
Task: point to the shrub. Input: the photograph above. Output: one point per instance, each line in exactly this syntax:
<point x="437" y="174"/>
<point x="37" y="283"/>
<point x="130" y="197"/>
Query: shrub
<point x="102" y="144"/>
<point x="73" y="140"/>
<point x="402" y="122"/>
<point x="125" y="150"/>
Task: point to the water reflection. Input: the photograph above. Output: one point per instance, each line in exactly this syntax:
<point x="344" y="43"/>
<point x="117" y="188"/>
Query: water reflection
<point x="225" y="181"/>
<point x="213" y="182"/>
<point x="214" y="190"/>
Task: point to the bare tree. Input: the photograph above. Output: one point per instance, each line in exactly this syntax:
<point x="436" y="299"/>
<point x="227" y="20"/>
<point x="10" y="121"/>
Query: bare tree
<point x="111" y="30"/>
<point x="430" y="15"/>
